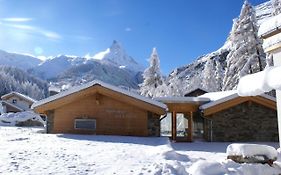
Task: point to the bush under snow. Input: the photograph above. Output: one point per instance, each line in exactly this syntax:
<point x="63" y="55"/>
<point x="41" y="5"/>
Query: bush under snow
<point x="19" y="118"/>
<point x="248" y="150"/>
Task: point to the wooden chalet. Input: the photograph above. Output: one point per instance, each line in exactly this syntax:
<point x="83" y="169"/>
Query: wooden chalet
<point x="100" y="108"/>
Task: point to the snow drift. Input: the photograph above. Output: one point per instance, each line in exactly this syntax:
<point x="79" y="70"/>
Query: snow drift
<point x="26" y="118"/>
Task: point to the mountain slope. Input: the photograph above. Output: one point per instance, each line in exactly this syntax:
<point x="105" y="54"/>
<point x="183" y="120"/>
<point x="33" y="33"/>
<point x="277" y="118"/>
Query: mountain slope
<point x="14" y="79"/>
<point x="23" y="62"/>
<point x="80" y="74"/>
<point x="191" y="75"/>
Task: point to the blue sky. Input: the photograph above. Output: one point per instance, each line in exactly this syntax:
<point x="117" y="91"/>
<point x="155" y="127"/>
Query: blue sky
<point x="181" y="30"/>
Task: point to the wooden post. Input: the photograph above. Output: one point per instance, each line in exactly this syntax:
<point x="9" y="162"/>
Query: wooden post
<point x="190" y="126"/>
<point x="174" y="126"/>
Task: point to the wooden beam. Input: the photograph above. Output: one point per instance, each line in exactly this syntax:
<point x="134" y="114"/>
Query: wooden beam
<point x="190" y="126"/>
<point x="174" y="125"/>
<point x="97" y="99"/>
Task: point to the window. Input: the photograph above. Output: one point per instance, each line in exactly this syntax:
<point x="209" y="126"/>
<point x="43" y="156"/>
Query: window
<point x="87" y="124"/>
<point x="14" y="101"/>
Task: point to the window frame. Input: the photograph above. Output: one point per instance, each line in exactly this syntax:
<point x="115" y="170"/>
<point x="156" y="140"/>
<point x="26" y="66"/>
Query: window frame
<point x="14" y="101"/>
<point x="85" y="120"/>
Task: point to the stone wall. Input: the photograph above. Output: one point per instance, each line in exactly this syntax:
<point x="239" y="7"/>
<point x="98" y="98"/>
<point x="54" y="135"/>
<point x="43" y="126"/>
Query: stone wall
<point x="153" y="125"/>
<point x="245" y="122"/>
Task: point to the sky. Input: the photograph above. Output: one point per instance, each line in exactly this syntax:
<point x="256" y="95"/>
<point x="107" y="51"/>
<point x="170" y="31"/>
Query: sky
<point x="181" y="30"/>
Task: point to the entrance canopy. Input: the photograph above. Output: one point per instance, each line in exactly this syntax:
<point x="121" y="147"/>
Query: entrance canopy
<point x="185" y="105"/>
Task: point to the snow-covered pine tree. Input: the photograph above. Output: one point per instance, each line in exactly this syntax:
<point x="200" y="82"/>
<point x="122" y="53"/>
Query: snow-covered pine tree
<point x="175" y="85"/>
<point x="276" y="7"/>
<point x="219" y="75"/>
<point x="246" y="54"/>
<point x="152" y="77"/>
<point x="209" y="80"/>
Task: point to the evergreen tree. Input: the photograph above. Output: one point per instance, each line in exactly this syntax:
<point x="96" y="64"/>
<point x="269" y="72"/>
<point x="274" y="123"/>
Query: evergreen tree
<point x="175" y="87"/>
<point x="209" y="80"/>
<point x="246" y="54"/>
<point x="276" y="7"/>
<point x="152" y="77"/>
<point x="219" y="74"/>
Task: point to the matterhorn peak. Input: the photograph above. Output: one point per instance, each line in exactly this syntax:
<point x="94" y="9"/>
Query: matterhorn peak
<point x="116" y="46"/>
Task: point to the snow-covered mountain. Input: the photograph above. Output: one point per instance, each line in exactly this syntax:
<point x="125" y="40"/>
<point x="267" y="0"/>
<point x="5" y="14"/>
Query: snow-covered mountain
<point x="18" y="60"/>
<point x="192" y="75"/>
<point x="113" y="66"/>
<point x="114" y="56"/>
<point x="117" y="56"/>
<point x="52" y="67"/>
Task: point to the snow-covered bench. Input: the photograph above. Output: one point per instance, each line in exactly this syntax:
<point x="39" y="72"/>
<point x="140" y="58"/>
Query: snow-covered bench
<point x="251" y="153"/>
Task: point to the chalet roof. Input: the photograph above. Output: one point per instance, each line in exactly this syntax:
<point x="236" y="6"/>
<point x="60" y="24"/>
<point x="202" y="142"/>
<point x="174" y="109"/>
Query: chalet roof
<point x="223" y="96"/>
<point x="99" y="83"/>
<point x="12" y="105"/>
<point x="27" y="98"/>
<point x="195" y="89"/>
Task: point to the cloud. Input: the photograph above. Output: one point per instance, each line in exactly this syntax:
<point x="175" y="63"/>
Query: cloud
<point x="33" y="30"/>
<point x="128" y="29"/>
<point x="50" y="35"/>
<point x="80" y="37"/>
<point x="16" y="19"/>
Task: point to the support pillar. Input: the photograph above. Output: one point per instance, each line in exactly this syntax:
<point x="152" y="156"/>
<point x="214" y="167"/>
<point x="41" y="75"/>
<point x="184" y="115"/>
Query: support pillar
<point x="174" y="126"/>
<point x="190" y="127"/>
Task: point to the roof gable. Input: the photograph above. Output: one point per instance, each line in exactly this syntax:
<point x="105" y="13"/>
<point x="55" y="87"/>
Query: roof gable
<point x="89" y="88"/>
<point x="19" y="95"/>
<point x="231" y="99"/>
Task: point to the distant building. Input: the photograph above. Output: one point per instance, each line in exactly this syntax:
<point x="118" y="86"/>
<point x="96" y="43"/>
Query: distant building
<point x="195" y="92"/>
<point x="53" y="90"/>
<point x="15" y="102"/>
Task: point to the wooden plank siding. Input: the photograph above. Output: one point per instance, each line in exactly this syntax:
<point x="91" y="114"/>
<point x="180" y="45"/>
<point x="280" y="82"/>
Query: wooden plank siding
<point x="112" y="117"/>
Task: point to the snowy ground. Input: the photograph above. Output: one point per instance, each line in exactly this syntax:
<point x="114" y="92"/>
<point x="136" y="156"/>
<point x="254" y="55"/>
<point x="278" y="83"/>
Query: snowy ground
<point x="27" y="151"/>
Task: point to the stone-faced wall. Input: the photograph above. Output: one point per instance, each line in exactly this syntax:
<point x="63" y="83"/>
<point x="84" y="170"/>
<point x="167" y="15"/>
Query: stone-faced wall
<point x="153" y="125"/>
<point x="245" y="122"/>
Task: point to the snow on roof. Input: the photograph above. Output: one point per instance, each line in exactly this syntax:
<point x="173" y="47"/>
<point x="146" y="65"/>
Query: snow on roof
<point x="270" y="30"/>
<point x="270" y="25"/>
<point x="182" y="99"/>
<point x="93" y="83"/>
<point x="258" y="83"/>
<point x="213" y="96"/>
<point x="223" y="96"/>
<point x="12" y="105"/>
<point x="19" y="95"/>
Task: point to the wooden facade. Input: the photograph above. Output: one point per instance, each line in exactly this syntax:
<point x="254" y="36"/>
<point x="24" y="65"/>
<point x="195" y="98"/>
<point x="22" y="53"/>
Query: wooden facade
<point x="115" y="113"/>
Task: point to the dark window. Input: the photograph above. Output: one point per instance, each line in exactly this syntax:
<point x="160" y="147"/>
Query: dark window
<point x="88" y="124"/>
<point x="14" y="101"/>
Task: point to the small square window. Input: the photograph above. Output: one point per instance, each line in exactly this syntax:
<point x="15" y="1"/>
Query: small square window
<point x="87" y="124"/>
<point x="14" y="101"/>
